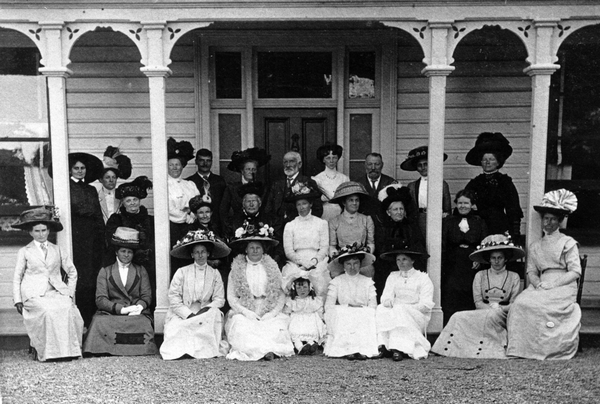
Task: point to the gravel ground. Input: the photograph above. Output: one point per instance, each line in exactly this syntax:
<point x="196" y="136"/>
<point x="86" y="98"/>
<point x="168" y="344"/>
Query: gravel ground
<point x="314" y="379"/>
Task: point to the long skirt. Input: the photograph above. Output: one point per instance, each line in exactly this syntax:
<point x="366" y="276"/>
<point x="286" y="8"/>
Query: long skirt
<point x="319" y="277"/>
<point x="403" y="328"/>
<point x="251" y="340"/>
<point x="474" y="334"/>
<point x="544" y="324"/>
<point x="120" y="335"/>
<point x="350" y="330"/>
<point x="199" y="336"/>
<point x="307" y="327"/>
<point x="54" y="326"/>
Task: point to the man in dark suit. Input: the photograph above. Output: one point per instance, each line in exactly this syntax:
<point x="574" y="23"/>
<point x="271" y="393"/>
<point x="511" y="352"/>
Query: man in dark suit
<point x="276" y="204"/>
<point x="208" y="183"/>
<point x="374" y="181"/>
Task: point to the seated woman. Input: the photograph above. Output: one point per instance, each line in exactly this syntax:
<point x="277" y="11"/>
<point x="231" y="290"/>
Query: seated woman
<point x="544" y="320"/>
<point x="53" y="322"/>
<point x="481" y="333"/>
<point x="194" y="323"/>
<point x="123" y="323"/>
<point x="350" y="307"/>
<point x="306" y="241"/>
<point x="350" y="226"/>
<point x="256" y="328"/>
<point x="405" y="309"/>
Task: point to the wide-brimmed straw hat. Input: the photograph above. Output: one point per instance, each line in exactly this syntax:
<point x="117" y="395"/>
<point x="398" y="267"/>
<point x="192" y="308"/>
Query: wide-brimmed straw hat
<point x="183" y="151"/>
<point x="126" y="237"/>
<point x="239" y="158"/>
<point x="489" y="142"/>
<point x="560" y="202"/>
<point x="183" y="248"/>
<point x="114" y="160"/>
<point x="302" y="190"/>
<point x="496" y="242"/>
<point x="47" y="215"/>
<point x="394" y="193"/>
<point x="413" y="157"/>
<point x="248" y="232"/>
<point x="414" y="251"/>
<point x="348" y="188"/>
<point x="354" y="250"/>
<point x="138" y="188"/>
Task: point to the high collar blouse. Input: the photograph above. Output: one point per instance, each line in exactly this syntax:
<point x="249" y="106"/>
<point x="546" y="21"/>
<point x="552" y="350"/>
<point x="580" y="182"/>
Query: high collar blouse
<point x="180" y="193"/>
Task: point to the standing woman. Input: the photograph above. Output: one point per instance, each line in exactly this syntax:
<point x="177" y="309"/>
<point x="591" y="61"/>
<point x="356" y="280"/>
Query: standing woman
<point x="461" y="234"/>
<point x="194" y="323"/>
<point x="329" y="179"/>
<point x="544" y="320"/>
<point x="116" y="165"/>
<point x="481" y="333"/>
<point x="180" y="193"/>
<point x="351" y="227"/>
<point x="306" y="241"/>
<point x="497" y="198"/>
<point x="87" y="226"/>
<point x="52" y="320"/>
<point x="255" y="327"/>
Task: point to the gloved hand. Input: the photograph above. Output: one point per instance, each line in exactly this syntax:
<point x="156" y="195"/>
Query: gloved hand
<point x="494" y="305"/>
<point x="127" y="310"/>
<point x="389" y="303"/>
<point x="137" y="310"/>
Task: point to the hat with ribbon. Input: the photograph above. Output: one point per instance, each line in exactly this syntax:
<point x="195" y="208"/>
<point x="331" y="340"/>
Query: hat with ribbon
<point x="560" y="202"/>
<point x="47" y="215"/>
<point x="394" y="193"/>
<point x="138" y="188"/>
<point x="262" y="232"/>
<point x="126" y="237"/>
<point x="496" y="242"/>
<point x="183" y="248"/>
<point x="302" y="190"/>
<point x="348" y="188"/>
<point x="414" y="156"/>
<point x="354" y="250"/>
<point x="113" y="159"/>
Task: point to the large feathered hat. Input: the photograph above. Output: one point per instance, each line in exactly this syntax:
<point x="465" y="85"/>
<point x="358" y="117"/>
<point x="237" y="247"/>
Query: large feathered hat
<point x="560" y="202"/>
<point x="496" y="242"/>
<point x="138" y="188"/>
<point x="489" y="142"/>
<point x="351" y="250"/>
<point x="413" y="157"/>
<point x="183" y="248"/>
<point x="113" y="159"/>
<point x="394" y="193"/>
<point x="184" y="151"/>
<point x="239" y="158"/>
<point x="302" y="190"/>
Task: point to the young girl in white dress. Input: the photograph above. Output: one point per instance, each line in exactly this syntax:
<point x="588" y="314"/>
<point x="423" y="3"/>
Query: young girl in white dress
<point x="306" y="327"/>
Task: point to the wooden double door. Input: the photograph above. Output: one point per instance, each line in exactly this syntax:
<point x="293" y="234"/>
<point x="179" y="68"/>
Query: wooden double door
<point x="301" y="130"/>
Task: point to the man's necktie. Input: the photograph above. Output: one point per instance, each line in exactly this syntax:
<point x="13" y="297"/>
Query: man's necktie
<point x="44" y="249"/>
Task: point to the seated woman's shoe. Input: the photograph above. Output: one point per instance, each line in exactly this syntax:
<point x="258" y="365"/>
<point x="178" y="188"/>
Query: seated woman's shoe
<point x="383" y="352"/>
<point x="397" y="356"/>
<point x="269" y="357"/>
<point x="314" y="348"/>
<point x="360" y="357"/>
<point x="350" y="357"/>
<point x="306" y="350"/>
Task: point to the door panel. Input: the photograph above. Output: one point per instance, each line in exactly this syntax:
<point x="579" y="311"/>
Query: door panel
<point x="302" y="130"/>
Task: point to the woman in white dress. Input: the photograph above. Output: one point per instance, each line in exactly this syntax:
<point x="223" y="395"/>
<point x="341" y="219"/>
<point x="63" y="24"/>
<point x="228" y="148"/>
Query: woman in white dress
<point x="53" y="322"/>
<point x="194" y="323"/>
<point x="329" y="179"/>
<point x="405" y="309"/>
<point x="306" y="241"/>
<point x="350" y="307"/>
<point x="481" y="333"/>
<point x="256" y="328"/>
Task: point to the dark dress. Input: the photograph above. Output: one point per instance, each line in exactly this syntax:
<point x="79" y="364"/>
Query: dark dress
<point x="497" y="202"/>
<point x="87" y="226"/>
<point x="144" y="255"/>
<point x="217" y="187"/>
<point x="389" y="236"/>
<point x="457" y="269"/>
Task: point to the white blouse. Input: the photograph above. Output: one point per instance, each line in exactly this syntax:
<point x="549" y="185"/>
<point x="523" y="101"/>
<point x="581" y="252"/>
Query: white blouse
<point x="412" y="287"/>
<point x="256" y="275"/>
<point x="306" y="233"/>
<point x="328" y="181"/>
<point x="180" y="193"/>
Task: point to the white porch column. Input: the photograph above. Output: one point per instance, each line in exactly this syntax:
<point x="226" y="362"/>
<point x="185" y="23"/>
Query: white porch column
<point x="540" y="73"/>
<point x="437" y="72"/>
<point x="56" y="76"/>
<point x="157" y="73"/>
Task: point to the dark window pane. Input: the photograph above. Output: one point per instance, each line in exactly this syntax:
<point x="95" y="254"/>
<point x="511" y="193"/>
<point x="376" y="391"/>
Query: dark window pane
<point x="230" y="140"/>
<point x="360" y="142"/>
<point x="361" y="69"/>
<point x="294" y="75"/>
<point x="20" y="61"/>
<point x="228" y="74"/>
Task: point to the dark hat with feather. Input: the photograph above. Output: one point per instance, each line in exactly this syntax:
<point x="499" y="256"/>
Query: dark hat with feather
<point x="239" y="158"/>
<point x="414" y="156"/>
<point x="254" y="188"/>
<point x="489" y="142"/>
<point x="114" y="160"/>
<point x="184" y="151"/>
<point x="138" y="188"/>
<point x="394" y="193"/>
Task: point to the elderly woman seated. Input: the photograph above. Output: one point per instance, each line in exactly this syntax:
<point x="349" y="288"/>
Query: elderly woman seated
<point x="544" y="320"/>
<point x="350" y="307"/>
<point x="194" y="323"/>
<point x="405" y="309"/>
<point x="123" y="323"/>
<point x="53" y="323"/>
<point x="481" y="333"/>
<point x="256" y="328"/>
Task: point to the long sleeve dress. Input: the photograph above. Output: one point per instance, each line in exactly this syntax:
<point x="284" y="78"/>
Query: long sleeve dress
<point x="180" y="193"/>
<point x="112" y="332"/>
<point x="403" y="327"/>
<point x="52" y="321"/>
<point x="328" y="181"/>
<point x="481" y="333"/>
<point x="460" y="237"/>
<point x="346" y="229"/>
<point x="254" y="289"/>
<point x="193" y="288"/>
<point x="351" y="329"/>
<point x="544" y="323"/>
<point x="305" y="238"/>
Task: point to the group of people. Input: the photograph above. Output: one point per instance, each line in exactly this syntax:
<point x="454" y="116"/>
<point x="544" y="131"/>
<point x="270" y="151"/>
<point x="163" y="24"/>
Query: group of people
<point x="308" y="264"/>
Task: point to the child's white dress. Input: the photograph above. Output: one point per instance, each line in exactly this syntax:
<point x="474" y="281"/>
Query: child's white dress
<point x="306" y="320"/>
